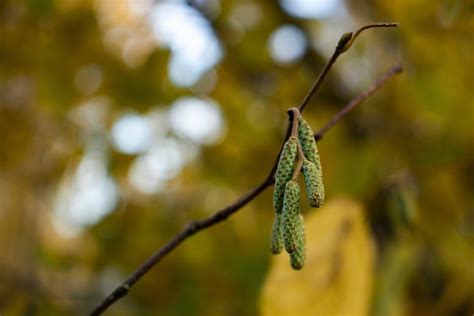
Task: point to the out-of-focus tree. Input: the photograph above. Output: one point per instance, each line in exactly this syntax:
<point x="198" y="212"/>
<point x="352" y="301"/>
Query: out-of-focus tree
<point x="122" y="120"/>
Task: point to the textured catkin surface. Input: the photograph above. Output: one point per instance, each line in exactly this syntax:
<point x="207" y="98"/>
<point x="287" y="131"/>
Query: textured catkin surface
<point x="298" y="256"/>
<point x="308" y="144"/>
<point x="291" y="210"/>
<point x="276" y="238"/>
<point x="313" y="180"/>
<point x="284" y="172"/>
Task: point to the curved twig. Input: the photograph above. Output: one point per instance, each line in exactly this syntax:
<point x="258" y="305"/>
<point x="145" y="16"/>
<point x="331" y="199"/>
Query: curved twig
<point x="358" y="100"/>
<point x="195" y="226"/>
<point x="345" y="42"/>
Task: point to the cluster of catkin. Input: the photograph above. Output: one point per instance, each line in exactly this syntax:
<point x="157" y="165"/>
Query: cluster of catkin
<point x="299" y="152"/>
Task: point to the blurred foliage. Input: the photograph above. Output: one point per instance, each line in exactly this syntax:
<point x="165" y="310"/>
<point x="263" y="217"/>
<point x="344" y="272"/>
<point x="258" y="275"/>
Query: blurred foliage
<point x="339" y="270"/>
<point x="406" y="156"/>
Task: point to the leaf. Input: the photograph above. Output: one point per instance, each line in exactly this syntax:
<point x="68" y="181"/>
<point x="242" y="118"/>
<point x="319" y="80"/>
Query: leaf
<point x="337" y="278"/>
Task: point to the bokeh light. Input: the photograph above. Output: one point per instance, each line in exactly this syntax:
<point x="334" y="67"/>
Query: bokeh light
<point x="91" y="114"/>
<point x="132" y="134"/>
<point x="198" y="120"/>
<point x="287" y="44"/>
<point x="88" y="79"/>
<point x="85" y="196"/>
<point x="310" y="9"/>
<point x="127" y="33"/>
<point x="149" y="172"/>
<point x="247" y="14"/>
<point x="194" y="47"/>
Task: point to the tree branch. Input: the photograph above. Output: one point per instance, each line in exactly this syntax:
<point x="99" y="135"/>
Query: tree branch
<point x="358" y="100"/>
<point x="195" y="226"/>
<point x="345" y="42"/>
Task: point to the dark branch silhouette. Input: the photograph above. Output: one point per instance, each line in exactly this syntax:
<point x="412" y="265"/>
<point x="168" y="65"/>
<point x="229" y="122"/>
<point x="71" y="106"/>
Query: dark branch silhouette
<point x="198" y="225"/>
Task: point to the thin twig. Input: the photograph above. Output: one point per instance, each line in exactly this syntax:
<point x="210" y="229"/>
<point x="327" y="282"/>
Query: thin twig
<point x="299" y="164"/>
<point x="294" y="114"/>
<point x="320" y="79"/>
<point x="296" y="173"/>
<point x="345" y="42"/>
<point x="348" y="39"/>
<point x="224" y="213"/>
<point x="374" y="25"/>
<point x="196" y="226"/>
<point x="358" y="100"/>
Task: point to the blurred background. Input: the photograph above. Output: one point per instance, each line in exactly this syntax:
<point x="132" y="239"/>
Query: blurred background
<point x="122" y="120"/>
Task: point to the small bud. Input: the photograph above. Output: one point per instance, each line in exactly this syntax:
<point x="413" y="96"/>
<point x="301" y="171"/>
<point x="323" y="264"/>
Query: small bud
<point x="313" y="180"/>
<point x="284" y="172"/>
<point x="276" y="243"/>
<point x="343" y="43"/>
<point x="291" y="209"/>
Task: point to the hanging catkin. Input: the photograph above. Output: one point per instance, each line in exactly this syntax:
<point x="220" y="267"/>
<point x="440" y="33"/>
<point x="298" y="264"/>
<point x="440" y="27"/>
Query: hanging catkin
<point x="298" y="256"/>
<point x="288" y="227"/>
<point x="276" y="241"/>
<point x="313" y="175"/>
<point x="308" y="144"/>
<point x="313" y="180"/>
<point x="291" y="209"/>
<point x="284" y="172"/>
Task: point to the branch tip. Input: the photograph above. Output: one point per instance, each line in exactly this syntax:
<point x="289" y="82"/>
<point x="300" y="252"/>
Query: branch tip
<point x="398" y="68"/>
<point x="344" y="46"/>
<point x="358" y="100"/>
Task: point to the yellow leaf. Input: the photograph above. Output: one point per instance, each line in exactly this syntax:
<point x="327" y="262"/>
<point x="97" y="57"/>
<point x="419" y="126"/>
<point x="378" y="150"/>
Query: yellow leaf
<point x="337" y="278"/>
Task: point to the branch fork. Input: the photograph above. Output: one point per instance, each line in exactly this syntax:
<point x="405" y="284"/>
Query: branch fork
<point x="194" y="227"/>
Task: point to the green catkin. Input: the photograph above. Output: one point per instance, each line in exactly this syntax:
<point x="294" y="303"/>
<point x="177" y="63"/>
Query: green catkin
<point x="298" y="256"/>
<point x="308" y="144"/>
<point x="313" y="180"/>
<point x="284" y="172"/>
<point x="276" y="243"/>
<point x="313" y="175"/>
<point x="291" y="210"/>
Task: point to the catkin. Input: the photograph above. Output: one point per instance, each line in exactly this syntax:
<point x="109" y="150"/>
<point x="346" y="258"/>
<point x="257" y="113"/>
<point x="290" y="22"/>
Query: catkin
<point x="291" y="209"/>
<point x="313" y="180"/>
<point x="276" y="243"/>
<point x="308" y="144"/>
<point x="313" y="175"/>
<point x="284" y="172"/>
<point x="298" y="256"/>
